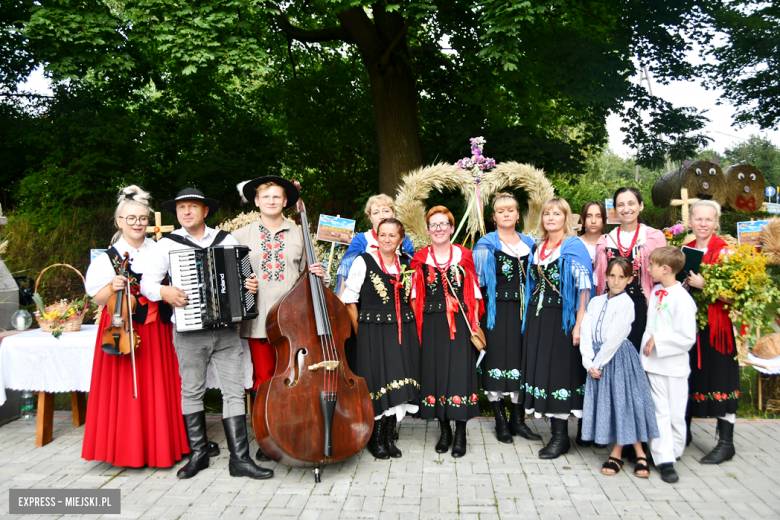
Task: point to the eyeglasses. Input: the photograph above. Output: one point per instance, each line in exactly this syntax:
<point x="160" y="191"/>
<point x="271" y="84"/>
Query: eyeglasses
<point x="132" y="219"/>
<point x="440" y="225"/>
<point x="704" y="221"/>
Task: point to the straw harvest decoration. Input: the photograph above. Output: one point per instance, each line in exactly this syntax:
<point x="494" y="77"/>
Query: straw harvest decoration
<point x="745" y="186"/>
<point x="416" y="186"/>
<point x="770" y="239"/>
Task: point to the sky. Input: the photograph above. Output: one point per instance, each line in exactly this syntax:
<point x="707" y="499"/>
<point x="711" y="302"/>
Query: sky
<point x="679" y="93"/>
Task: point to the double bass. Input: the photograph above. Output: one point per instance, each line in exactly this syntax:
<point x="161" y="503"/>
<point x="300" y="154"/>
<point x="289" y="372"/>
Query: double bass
<point x="314" y="411"/>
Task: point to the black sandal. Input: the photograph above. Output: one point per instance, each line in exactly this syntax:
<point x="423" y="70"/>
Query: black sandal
<point x="641" y="466"/>
<point x="614" y="464"/>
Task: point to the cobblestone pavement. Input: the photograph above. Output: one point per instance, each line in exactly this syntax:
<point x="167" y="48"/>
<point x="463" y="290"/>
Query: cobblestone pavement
<point x="492" y="481"/>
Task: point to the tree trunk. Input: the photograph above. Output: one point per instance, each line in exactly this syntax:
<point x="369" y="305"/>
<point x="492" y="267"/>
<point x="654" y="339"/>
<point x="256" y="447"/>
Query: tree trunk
<point x="398" y="133"/>
<point x="382" y="46"/>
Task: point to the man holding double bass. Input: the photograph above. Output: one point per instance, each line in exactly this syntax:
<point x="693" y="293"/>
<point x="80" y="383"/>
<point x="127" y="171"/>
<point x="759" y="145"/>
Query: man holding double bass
<point x="277" y="255"/>
<point x="220" y="346"/>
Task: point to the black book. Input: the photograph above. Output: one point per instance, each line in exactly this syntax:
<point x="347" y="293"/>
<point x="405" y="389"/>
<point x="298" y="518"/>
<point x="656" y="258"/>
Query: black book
<point x="693" y="259"/>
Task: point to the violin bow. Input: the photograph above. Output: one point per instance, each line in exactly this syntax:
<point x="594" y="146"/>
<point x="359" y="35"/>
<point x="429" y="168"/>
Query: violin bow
<point x="132" y="338"/>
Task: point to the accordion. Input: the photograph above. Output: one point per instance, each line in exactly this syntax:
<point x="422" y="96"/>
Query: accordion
<point x="213" y="279"/>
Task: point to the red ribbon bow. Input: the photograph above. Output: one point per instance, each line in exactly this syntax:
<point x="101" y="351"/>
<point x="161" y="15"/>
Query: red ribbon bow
<point x="661" y="293"/>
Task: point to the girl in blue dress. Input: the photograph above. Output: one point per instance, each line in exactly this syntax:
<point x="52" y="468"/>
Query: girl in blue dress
<point x="618" y="404"/>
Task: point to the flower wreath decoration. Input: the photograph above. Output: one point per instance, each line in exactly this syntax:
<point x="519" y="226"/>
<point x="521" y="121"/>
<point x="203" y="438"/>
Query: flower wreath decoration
<point x="479" y="179"/>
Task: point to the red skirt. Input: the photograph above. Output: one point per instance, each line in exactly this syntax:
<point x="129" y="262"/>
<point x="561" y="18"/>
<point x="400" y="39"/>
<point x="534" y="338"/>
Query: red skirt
<point x="149" y="430"/>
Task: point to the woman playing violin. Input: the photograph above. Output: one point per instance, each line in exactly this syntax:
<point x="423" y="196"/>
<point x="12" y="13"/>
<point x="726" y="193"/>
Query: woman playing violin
<point x="120" y="429"/>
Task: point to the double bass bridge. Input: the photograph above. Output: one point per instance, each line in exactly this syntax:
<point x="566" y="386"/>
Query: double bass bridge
<point x="327" y="365"/>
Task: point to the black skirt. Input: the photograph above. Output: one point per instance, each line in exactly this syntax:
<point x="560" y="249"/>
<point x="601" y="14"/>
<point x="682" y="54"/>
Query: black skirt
<point x="500" y="370"/>
<point x="448" y="374"/>
<point x="714" y="388"/>
<point x="552" y="373"/>
<point x="391" y="371"/>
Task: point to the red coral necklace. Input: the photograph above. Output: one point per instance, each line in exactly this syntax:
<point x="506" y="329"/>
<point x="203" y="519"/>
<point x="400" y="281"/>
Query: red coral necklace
<point x="542" y="255"/>
<point x="627" y="252"/>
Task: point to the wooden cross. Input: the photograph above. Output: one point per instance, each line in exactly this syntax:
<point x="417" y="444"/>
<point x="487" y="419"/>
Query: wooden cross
<point x="577" y="225"/>
<point x="158" y="229"/>
<point x="685" y="202"/>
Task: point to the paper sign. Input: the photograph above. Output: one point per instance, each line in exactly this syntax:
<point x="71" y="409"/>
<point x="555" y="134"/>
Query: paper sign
<point x="335" y="229"/>
<point x="772" y="208"/>
<point x="612" y="217"/>
<point x="750" y="232"/>
<point x="94" y="253"/>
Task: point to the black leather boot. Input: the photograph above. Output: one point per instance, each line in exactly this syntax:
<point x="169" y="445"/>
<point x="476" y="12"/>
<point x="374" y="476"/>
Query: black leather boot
<point x="390" y="437"/>
<point x="213" y="448"/>
<point x="260" y="455"/>
<point x="517" y="424"/>
<point x="502" y="428"/>
<point x="688" y="435"/>
<point x="559" y="443"/>
<point x="195" y="423"/>
<point x="445" y="439"/>
<point x="724" y="450"/>
<point x="459" y="444"/>
<point x="578" y="439"/>
<point x="376" y="444"/>
<point x="241" y="463"/>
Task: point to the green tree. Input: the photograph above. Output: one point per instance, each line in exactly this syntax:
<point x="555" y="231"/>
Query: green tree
<point x="762" y="154"/>
<point x="528" y="75"/>
<point x="746" y="61"/>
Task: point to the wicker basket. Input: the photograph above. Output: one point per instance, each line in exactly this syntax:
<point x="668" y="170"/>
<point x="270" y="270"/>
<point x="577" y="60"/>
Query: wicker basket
<point x="73" y="324"/>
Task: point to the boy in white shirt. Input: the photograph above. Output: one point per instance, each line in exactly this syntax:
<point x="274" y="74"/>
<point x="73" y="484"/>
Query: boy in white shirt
<point x="670" y="334"/>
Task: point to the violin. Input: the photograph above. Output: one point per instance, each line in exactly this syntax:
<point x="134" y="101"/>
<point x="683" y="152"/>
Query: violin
<point x="119" y="337"/>
<point x="313" y="411"/>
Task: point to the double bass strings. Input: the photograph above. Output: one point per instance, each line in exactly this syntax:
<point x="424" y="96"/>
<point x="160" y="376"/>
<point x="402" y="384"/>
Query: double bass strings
<point x="327" y="344"/>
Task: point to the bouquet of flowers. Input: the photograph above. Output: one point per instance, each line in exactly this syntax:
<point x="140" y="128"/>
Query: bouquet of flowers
<point x="676" y="235"/>
<point x="741" y="279"/>
<point x="55" y="318"/>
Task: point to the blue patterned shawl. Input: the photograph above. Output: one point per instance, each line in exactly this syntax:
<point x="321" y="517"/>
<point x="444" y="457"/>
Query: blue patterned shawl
<point x="576" y="269"/>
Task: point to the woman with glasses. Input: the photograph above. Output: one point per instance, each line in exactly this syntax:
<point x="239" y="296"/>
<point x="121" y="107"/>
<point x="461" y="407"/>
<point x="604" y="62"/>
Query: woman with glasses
<point x="713" y="386"/>
<point x="120" y="429"/>
<point x="445" y="281"/>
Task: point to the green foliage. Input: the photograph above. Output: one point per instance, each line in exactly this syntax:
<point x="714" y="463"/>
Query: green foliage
<point x="541" y="98"/>
<point x="762" y="154"/>
<point x="746" y="54"/>
<point x="74" y="233"/>
<point x="740" y="278"/>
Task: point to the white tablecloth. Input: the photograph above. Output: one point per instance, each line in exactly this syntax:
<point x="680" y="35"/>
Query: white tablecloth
<point x="36" y="361"/>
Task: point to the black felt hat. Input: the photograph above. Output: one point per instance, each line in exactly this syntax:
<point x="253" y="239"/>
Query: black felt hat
<point x="191" y="194"/>
<point x="250" y="188"/>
